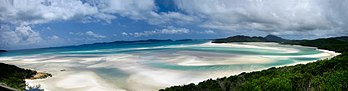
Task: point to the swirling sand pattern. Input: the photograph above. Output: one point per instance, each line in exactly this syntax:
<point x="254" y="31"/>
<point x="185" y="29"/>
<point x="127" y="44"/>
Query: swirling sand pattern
<point x="154" y="66"/>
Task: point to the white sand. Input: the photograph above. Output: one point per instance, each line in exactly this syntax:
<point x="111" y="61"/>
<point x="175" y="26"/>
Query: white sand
<point x="256" y="45"/>
<point x="189" y="61"/>
<point x="80" y="74"/>
<point x="74" y="81"/>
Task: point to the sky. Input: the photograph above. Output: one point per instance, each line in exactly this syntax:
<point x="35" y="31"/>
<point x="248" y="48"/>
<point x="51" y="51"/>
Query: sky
<point x="48" y="23"/>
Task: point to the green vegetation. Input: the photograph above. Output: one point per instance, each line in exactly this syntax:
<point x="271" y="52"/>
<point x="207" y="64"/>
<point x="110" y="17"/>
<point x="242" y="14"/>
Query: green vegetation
<point x="14" y="76"/>
<point x="329" y="74"/>
<point x="338" y="44"/>
<point x="240" y="38"/>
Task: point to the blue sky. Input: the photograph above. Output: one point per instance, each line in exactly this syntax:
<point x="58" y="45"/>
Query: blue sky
<point x="47" y="23"/>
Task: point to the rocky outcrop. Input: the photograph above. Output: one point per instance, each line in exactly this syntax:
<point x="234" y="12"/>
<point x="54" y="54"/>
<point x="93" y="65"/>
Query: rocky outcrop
<point x="40" y="75"/>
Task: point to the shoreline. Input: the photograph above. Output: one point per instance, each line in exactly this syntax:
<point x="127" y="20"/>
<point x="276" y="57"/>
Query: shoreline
<point x="80" y="81"/>
<point x="320" y="70"/>
<point x="13" y="77"/>
<point x="71" y="74"/>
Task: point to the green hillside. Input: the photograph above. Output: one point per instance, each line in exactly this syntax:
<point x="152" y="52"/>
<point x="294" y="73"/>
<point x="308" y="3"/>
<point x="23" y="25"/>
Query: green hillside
<point x="14" y="76"/>
<point x="323" y="75"/>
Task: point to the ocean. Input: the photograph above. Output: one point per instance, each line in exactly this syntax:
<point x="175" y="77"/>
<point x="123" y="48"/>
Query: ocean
<point x="151" y="65"/>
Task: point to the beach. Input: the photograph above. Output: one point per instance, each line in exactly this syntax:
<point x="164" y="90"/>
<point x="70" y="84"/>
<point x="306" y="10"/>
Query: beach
<point x="160" y="67"/>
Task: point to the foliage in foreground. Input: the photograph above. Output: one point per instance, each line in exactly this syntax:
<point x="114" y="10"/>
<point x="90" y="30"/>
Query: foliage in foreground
<point x="14" y="76"/>
<point x="321" y="75"/>
<point x="329" y="74"/>
<point x="34" y="88"/>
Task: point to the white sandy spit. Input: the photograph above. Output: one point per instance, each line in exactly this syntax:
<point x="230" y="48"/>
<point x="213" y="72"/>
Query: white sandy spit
<point x="144" y="71"/>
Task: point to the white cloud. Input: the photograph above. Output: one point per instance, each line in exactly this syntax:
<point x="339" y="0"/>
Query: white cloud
<point x="168" y="30"/>
<point x="173" y="30"/>
<point x="135" y="9"/>
<point x="19" y="36"/>
<point x="42" y="11"/>
<point x="170" y="17"/>
<point x="124" y="34"/>
<point x="90" y="33"/>
<point x="77" y="33"/>
<point x="269" y="15"/>
<point x="207" y="32"/>
<point x="54" y="37"/>
<point x="141" y="10"/>
<point x="18" y="13"/>
<point x="328" y="17"/>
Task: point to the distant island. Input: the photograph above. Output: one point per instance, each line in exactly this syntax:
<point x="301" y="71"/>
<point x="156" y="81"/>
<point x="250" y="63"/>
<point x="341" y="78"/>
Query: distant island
<point x="135" y="41"/>
<point x="149" y="40"/>
<point x="338" y="44"/>
<point x="329" y="74"/>
<point x="242" y="38"/>
<point x="3" y="51"/>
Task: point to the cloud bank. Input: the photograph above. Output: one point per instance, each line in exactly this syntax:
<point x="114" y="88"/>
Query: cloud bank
<point x="278" y="17"/>
<point x="304" y="18"/>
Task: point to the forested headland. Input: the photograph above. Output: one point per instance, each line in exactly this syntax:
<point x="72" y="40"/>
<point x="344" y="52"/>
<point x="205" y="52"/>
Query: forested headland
<point x="322" y="75"/>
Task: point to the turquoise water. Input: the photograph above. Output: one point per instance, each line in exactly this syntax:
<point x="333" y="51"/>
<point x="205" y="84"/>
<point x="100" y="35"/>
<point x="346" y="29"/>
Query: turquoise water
<point x="122" y="63"/>
<point x="108" y="48"/>
<point x="85" y="51"/>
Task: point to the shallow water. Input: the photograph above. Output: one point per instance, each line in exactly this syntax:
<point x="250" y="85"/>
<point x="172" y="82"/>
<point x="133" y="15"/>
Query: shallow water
<point x="153" y="65"/>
